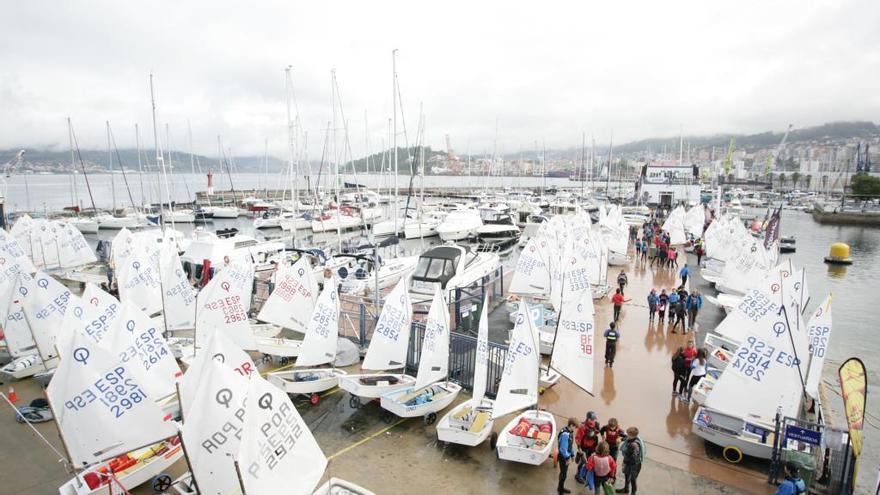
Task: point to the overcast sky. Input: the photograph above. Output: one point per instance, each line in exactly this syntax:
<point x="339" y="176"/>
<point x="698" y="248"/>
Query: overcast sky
<point x="545" y="71"/>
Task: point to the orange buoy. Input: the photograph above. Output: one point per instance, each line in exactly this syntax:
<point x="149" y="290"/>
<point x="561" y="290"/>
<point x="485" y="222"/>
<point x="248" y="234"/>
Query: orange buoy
<point x="12" y="395"/>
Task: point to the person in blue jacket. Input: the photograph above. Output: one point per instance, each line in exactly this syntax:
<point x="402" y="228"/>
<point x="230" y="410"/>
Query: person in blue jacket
<point x="566" y="450"/>
<point x="673" y="300"/>
<point x="653" y="300"/>
<point x="694" y="304"/>
<point x="683" y="273"/>
<point x="792" y="484"/>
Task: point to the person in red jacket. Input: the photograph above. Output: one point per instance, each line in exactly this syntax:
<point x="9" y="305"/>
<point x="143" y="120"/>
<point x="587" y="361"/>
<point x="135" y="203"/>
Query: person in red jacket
<point x="603" y="466"/>
<point x="617" y="299"/>
<point x="587" y="439"/>
<point x="613" y="434"/>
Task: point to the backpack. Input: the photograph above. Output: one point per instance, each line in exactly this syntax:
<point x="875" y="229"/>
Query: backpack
<point x="632" y="451"/>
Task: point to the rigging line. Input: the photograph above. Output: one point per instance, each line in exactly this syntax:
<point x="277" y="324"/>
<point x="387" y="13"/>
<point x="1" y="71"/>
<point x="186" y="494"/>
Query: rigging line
<point x="62" y="457"/>
<point x="121" y="167"/>
<point x="83" y="167"/>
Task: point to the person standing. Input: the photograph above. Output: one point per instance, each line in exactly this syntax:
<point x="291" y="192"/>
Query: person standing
<point x="587" y="438"/>
<point x="662" y="302"/>
<point x="612" y="434"/>
<point x="680" y="314"/>
<point x="633" y="451"/>
<point x="644" y="251"/>
<point x="683" y="273"/>
<point x="611" y="336"/>
<point x="638" y="248"/>
<point x="698" y="371"/>
<point x="653" y="300"/>
<point x="603" y="466"/>
<point x="673" y="301"/>
<point x="679" y="372"/>
<point x="622" y="281"/>
<point x="566" y="451"/>
<point x="699" y="250"/>
<point x="617" y="299"/>
<point x="695" y="303"/>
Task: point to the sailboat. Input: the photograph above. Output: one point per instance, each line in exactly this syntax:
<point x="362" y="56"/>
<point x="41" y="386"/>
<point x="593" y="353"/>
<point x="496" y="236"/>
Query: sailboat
<point x="470" y="423"/>
<point x="290" y="305"/>
<point x="318" y="347"/>
<point x="428" y="395"/>
<point x="387" y="351"/>
<point x="528" y="437"/>
<point x="115" y="437"/>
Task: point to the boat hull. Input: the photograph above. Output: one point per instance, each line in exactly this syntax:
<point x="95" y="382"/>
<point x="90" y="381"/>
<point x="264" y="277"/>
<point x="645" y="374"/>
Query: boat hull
<point x="353" y="384"/>
<point x="731" y="441"/>
<point x="336" y="486"/>
<point x="130" y="478"/>
<point x="326" y="378"/>
<point x="275" y="346"/>
<point x="26" y="366"/>
<point x="443" y="395"/>
<point x="454" y="428"/>
<point x="525" y="449"/>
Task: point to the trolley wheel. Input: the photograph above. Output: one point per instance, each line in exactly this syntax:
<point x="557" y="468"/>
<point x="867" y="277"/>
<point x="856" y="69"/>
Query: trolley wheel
<point x="541" y="390"/>
<point x="493" y="441"/>
<point x="354" y="402"/>
<point x="314" y="399"/>
<point x="388" y="417"/>
<point x="732" y="454"/>
<point x="284" y="361"/>
<point x="161" y="483"/>
<point x="430" y="418"/>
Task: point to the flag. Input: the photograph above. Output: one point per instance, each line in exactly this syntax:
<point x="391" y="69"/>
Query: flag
<point x="771" y="234"/>
<point x="853" y="388"/>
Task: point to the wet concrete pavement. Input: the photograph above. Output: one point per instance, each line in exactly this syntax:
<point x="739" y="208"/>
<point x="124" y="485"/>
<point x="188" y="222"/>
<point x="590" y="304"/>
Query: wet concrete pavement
<point x="405" y="457"/>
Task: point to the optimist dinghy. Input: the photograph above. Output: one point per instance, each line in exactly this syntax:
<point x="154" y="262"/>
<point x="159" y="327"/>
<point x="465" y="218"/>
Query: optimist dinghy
<point x="387" y="351"/>
<point x="319" y="347"/>
<point x="428" y="395"/>
<point x="470" y="423"/>
<point x="528" y="438"/>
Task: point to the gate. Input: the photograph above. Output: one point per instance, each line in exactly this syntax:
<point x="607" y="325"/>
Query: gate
<point x="821" y="452"/>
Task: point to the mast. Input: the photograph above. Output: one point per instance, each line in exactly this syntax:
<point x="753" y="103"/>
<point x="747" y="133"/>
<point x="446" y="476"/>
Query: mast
<point x="291" y="150"/>
<point x="592" y="157"/>
<point x="581" y="176"/>
<point x="608" y="174"/>
<point x="83" y="167"/>
<point x="74" y="192"/>
<point x="336" y="164"/>
<point x="160" y="160"/>
<point x="394" y="134"/>
<point x="137" y="141"/>
<point x="110" y="157"/>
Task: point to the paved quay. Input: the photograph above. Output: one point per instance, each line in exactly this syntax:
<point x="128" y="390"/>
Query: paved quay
<point x="404" y="457"/>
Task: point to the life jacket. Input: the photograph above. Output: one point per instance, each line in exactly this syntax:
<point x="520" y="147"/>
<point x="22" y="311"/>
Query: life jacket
<point x="587" y="435"/>
<point x="612" y="435"/>
<point x="601" y="465"/>
<point x="612" y="336"/>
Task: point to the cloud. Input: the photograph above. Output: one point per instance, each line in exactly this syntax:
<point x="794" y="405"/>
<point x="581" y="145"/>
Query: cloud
<point x="545" y="72"/>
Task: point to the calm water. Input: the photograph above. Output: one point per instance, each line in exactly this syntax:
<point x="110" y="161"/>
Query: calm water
<point x="856" y="303"/>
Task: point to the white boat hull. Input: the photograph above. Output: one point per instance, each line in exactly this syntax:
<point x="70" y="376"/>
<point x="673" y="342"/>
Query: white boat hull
<point x="224" y="212"/>
<point x="276" y="346"/>
<point x="729" y="439"/>
<point x="419" y="230"/>
<point x="527" y="449"/>
<point x="354" y="385"/>
<point x="130" y="478"/>
<point x="336" y="486"/>
<point x="547" y="378"/>
<point x="404" y="402"/>
<point x="25" y="367"/>
<point x="469" y="428"/>
<point x="118" y="223"/>
<point x="85" y="226"/>
<point x="325" y="379"/>
<point x="267" y="223"/>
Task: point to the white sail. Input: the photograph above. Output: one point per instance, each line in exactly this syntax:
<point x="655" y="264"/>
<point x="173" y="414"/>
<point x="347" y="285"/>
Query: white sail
<point x="101" y="408"/>
<point x="434" y="358"/>
<point x="391" y="336"/>
<point x="121" y="247"/>
<point x="519" y="381"/>
<point x="140" y="345"/>
<point x="219" y="348"/>
<point x="694" y="221"/>
<point x="138" y="278"/>
<point x="223" y="304"/>
<point x="293" y="298"/>
<point x="322" y="334"/>
<point x="212" y="426"/>
<point x="764" y="367"/>
<point x="481" y="361"/>
<point x="12" y="252"/>
<point x="277" y="448"/>
<point x="819" y="333"/>
<point x="16" y="330"/>
<point x="180" y="297"/>
<point x="532" y="275"/>
<point x="73" y="250"/>
<point x="674" y="224"/>
<point x="579" y="270"/>
<point x="44" y="300"/>
<point x="91" y="315"/>
<point x="575" y="341"/>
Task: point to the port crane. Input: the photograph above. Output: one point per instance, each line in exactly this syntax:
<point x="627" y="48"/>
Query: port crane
<point x="772" y="157"/>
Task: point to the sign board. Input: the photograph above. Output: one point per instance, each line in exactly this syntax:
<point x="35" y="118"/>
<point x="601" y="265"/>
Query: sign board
<point x="803" y="435"/>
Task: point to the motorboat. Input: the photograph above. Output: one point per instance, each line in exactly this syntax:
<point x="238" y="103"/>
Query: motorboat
<point x="425" y="226"/>
<point x="270" y="219"/>
<point x="498" y="229"/>
<point x="528" y="438"/>
<point x="453" y="267"/>
<point x="205" y="245"/>
<point x="459" y="225"/>
<point x="787" y="244"/>
<point x="358" y="275"/>
<point x="222" y="212"/>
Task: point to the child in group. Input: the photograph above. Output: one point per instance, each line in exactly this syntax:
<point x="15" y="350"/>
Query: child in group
<point x="679" y="372"/>
<point x="603" y="466"/>
<point x="673" y="301"/>
<point x="653" y="300"/>
<point x="612" y="433"/>
<point x="662" y="301"/>
<point x="633" y="451"/>
<point x="698" y="371"/>
<point x="587" y="439"/>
